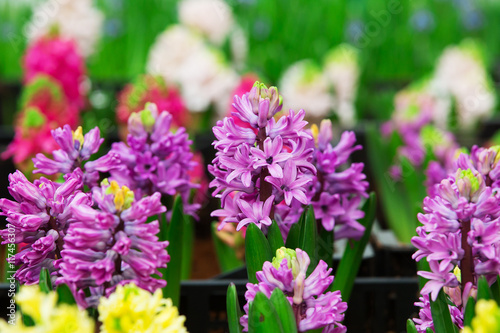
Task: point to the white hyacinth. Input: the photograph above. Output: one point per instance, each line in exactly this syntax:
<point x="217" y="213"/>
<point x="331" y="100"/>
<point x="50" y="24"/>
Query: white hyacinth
<point x="74" y="19"/>
<point x="212" y="18"/>
<point x="181" y="57"/>
<point x="461" y="73"/>
<point x="304" y="86"/>
<point x="342" y="70"/>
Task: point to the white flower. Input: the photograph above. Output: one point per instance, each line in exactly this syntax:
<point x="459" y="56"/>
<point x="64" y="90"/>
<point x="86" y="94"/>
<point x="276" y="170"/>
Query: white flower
<point x="461" y="73"/>
<point x="342" y="70"/>
<point x="212" y="18"/>
<point x="304" y="86"/>
<point x="180" y="56"/>
<point x="74" y="19"/>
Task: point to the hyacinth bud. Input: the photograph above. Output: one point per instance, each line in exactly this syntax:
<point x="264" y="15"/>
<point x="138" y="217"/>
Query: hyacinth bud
<point x="142" y="122"/>
<point x="266" y="102"/>
<point x="291" y="259"/>
<point x="325" y="134"/>
<point x="469" y="184"/>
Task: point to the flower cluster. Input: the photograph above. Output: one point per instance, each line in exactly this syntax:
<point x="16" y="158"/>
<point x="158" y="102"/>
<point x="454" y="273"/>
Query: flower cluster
<point x="39" y="218"/>
<point x="130" y="309"/>
<point x="43" y="107"/>
<point x="47" y="315"/>
<point x="336" y="193"/>
<point x="148" y="88"/>
<point x="58" y="58"/>
<point x="155" y="160"/>
<point x="75" y="149"/>
<point x="111" y="244"/>
<point x="261" y="166"/>
<point x="312" y="307"/>
<point x="461" y="227"/>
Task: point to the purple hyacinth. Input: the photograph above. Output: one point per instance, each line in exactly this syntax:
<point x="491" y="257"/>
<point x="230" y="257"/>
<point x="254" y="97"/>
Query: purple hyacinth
<point x="156" y="159"/>
<point x="39" y="217"/>
<point x="425" y="316"/>
<point x="313" y="308"/>
<point x="112" y="244"/>
<point x="268" y="160"/>
<point x="337" y="191"/>
<point x="461" y="227"/>
<point x="75" y="150"/>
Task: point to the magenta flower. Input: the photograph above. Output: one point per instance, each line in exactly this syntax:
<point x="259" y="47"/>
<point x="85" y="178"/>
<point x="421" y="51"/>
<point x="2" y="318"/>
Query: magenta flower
<point x="271" y="156"/>
<point x="460" y="228"/>
<point x="112" y="243"/>
<point x="266" y="158"/>
<point x="312" y="307"/>
<point x="291" y="186"/>
<point x="39" y="218"/>
<point x="75" y="149"/>
<point x="257" y="213"/>
<point x="59" y="59"/>
<point x="156" y="158"/>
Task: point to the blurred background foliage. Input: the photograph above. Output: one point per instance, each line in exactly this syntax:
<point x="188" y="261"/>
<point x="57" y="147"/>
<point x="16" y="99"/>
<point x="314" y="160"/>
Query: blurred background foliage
<point x="399" y="40"/>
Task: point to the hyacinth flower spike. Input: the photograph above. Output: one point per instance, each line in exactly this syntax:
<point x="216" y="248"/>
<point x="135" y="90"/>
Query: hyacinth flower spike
<point x="112" y="244"/>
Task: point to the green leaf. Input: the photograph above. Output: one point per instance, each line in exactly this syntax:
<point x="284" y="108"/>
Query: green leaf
<point x="257" y="251"/>
<point x="233" y="309"/>
<point x="469" y="312"/>
<point x="483" y="289"/>
<point x="174" y="232"/>
<point x="353" y="255"/>
<point x="64" y="295"/>
<point x="410" y="326"/>
<point x="441" y="315"/>
<point x="45" y="283"/>
<point x="307" y="237"/>
<point x="325" y="245"/>
<point x="429" y="330"/>
<point x="284" y="311"/>
<point x="495" y="290"/>
<point x="292" y="240"/>
<point x="225" y="254"/>
<point x="187" y="247"/>
<point x="274" y="236"/>
<point x="262" y="316"/>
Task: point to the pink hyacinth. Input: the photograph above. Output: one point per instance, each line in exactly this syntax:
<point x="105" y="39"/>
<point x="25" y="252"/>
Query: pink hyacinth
<point x="151" y="89"/>
<point x="58" y="58"/>
<point x="312" y="307"/>
<point x="112" y="243"/>
<point x="461" y="228"/>
<point x="263" y="159"/>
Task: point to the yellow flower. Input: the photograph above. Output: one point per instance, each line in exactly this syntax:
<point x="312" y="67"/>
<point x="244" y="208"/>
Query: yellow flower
<point x="487" y="319"/>
<point x="78" y="135"/>
<point x="47" y="316"/>
<point x="35" y="303"/>
<point x="131" y="309"/>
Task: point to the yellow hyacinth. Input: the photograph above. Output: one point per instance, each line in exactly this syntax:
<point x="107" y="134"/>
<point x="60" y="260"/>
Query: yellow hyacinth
<point x="487" y="318"/>
<point x="131" y="309"/>
<point x="47" y="316"/>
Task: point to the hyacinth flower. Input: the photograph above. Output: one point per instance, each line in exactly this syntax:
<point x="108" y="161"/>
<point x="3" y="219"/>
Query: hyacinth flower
<point x="111" y="244"/>
<point x="312" y="307"/>
<point x="264" y="164"/>
<point x="58" y="58"/>
<point x="156" y="158"/>
<point x="131" y="309"/>
<point x="75" y="150"/>
<point x="47" y="314"/>
<point x="460" y="229"/>
<point x="43" y="108"/>
<point x="150" y="89"/>
<point x="32" y="136"/>
<point x="336" y="193"/>
<point x="39" y="218"/>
